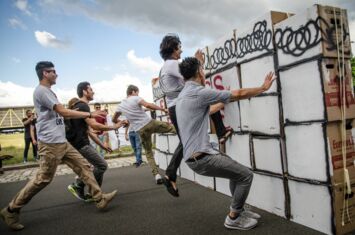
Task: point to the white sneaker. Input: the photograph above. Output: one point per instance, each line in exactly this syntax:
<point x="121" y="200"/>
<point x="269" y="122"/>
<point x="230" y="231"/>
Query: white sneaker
<point x="240" y="223"/>
<point x="250" y="214"/>
<point x="158" y="179"/>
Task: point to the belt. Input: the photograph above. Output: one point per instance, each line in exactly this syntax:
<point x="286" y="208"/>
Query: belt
<point x="196" y="157"/>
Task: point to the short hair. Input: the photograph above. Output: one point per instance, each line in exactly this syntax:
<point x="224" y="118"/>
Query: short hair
<point x="28" y="110"/>
<point x="40" y="66"/>
<point x="169" y="43"/>
<point x="189" y="67"/>
<point x="97" y="104"/>
<point x="131" y="89"/>
<point x="83" y="86"/>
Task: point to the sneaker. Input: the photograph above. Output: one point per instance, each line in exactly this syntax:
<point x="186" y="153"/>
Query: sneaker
<point x="106" y="198"/>
<point x="77" y="191"/>
<point x="11" y="219"/>
<point x="24" y="162"/>
<point x="250" y="214"/>
<point x="89" y="198"/>
<point x="240" y="223"/>
<point x="158" y="179"/>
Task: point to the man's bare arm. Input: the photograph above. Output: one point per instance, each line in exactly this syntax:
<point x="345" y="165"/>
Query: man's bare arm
<point x="151" y="106"/>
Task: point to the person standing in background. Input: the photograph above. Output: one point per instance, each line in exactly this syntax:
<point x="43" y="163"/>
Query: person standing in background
<point x="27" y="122"/>
<point x="102" y="135"/>
<point x="135" y="141"/>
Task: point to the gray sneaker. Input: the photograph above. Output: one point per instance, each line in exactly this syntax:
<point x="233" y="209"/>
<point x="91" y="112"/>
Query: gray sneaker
<point x="241" y="223"/>
<point x="250" y="214"/>
<point x="106" y="198"/>
<point x="11" y="219"/>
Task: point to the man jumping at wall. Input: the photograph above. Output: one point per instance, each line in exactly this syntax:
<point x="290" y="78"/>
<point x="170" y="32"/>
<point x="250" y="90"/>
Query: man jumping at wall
<point x="192" y="112"/>
<point x="131" y="108"/>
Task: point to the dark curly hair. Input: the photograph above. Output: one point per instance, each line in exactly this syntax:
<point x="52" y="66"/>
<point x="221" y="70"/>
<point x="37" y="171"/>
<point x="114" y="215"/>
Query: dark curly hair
<point x="189" y="67"/>
<point x="169" y="43"/>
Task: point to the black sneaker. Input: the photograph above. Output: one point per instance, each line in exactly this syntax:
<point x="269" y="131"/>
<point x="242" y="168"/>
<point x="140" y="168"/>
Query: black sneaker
<point x="77" y="191"/>
<point x="89" y="198"/>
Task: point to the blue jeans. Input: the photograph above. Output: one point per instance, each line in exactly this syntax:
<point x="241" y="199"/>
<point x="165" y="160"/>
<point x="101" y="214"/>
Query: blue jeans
<point x="136" y="145"/>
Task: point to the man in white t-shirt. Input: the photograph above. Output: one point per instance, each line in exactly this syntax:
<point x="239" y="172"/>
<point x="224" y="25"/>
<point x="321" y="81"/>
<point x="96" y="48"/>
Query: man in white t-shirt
<point x="140" y="122"/>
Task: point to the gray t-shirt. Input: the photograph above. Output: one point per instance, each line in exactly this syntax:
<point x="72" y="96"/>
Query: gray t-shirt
<point x="171" y="81"/>
<point x="50" y="125"/>
<point x="134" y="112"/>
<point x="192" y="113"/>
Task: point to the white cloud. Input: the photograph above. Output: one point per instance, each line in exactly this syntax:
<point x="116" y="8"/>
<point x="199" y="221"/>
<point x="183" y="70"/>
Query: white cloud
<point x="105" y="91"/>
<point x="16" y="60"/>
<point x="146" y="64"/>
<point x="196" y="21"/>
<point x="103" y="68"/>
<point x="17" y="23"/>
<point x="22" y="5"/>
<point x="49" y="40"/>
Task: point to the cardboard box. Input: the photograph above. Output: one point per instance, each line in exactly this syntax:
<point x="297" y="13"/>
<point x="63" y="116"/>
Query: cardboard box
<point x="332" y="81"/>
<point x="344" y="216"/>
<point x="335" y="151"/>
<point x="311" y="33"/>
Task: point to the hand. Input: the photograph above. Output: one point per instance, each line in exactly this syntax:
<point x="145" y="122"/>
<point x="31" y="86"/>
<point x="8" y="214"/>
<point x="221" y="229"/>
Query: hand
<point x="125" y="123"/>
<point x="98" y="113"/>
<point x="126" y="136"/>
<point x="165" y="110"/>
<point x="107" y="149"/>
<point x="199" y="55"/>
<point x="269" y="79"/>
<point x="34" y="142"/>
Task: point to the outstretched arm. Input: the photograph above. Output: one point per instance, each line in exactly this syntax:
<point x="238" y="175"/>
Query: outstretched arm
<point x="152" y="106"/>
<point x="246" y="93"/>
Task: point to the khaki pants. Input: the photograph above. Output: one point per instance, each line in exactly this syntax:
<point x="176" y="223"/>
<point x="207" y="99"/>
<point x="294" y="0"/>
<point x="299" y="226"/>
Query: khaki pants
<point x="146" y="132"/>
<point x="51" y="156"/>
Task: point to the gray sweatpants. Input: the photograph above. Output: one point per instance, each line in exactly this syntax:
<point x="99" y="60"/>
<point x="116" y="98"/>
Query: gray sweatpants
<point x="93" y="157"/>
<point x="223" y="166"/>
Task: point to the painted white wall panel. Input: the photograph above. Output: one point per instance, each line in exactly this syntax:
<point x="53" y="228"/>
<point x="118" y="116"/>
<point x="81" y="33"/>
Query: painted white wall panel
<point x="222" y="52"/>
<point x="186" y="172"/>
<point x="295" y="22"/>
<point x="162" y="143"/>
<point x="267" y="193"/>
<point x="237" y="147"/>
<point x="306" y="151"/>
<point x="267" y="154"/>
<point x="253" y="73"/>
<point x="173" y="142"/>
<point x="311" y="206"/>
<point x="260" y="114"/>
<point x="255" y="38"/>
<point x="222" y="186"/>
<point x="161" y="160"/>
<point x="302" y="93"/>
<point x="205" y="181"/>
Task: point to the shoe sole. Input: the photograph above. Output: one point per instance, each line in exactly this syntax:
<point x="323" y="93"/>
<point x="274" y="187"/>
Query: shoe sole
<point x="239" y="228"/>
<point x="72" y="191"/>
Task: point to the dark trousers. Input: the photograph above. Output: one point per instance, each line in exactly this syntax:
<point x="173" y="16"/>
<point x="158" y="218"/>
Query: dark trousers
<point x="28" y="141"/>
<point x="178" y="153"/>
<point x="218" y="124"/>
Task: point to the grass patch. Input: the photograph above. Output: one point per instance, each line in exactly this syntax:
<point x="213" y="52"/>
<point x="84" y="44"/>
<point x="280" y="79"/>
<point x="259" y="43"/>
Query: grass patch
<point x="14" y="145"/>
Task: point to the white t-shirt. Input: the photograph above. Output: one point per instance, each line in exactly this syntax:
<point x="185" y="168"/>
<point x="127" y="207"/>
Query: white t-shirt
<point x="134" y="112"/>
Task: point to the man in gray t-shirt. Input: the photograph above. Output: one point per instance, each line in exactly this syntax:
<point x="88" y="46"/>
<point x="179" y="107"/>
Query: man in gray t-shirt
<point x="140" y="122"/>
<point x="53" y="148"/>
<point x="192" y="111"/>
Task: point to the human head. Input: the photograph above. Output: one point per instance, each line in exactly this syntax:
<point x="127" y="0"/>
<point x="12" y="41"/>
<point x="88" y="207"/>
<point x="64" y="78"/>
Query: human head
<point x="170" y="47"/>
<point x="191" y="70"/>
<point x="84" y="90"/>
<point x="72" y="102"/>
<point x="97" y="106"/>
<point x="132" y="90"/>
<point x="28" y="113"/>
<point x="45" y="70"/>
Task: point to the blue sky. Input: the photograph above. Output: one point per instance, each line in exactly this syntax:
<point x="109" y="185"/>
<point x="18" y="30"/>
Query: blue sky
<point x="111" y="43"/>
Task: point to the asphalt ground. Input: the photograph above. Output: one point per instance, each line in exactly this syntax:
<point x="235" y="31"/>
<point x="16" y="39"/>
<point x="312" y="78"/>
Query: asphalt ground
<point x="140" y="207"/>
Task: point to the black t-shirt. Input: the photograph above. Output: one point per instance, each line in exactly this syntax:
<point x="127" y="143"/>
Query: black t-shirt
<point x="77" y="129"/>
<point x="27" y="129"/>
